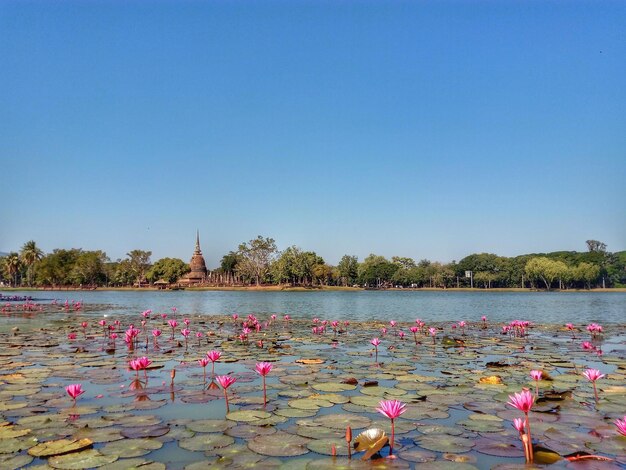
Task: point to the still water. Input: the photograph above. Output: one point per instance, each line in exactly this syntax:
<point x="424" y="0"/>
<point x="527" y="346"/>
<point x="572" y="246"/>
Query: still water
<point x="539" y="307"/>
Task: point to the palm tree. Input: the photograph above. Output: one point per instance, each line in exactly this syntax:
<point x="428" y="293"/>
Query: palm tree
<point x="30" y="255"/>
<point x="12" y="266"/>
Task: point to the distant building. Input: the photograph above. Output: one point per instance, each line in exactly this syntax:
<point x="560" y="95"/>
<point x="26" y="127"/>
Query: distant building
<point x="198" y="272"/>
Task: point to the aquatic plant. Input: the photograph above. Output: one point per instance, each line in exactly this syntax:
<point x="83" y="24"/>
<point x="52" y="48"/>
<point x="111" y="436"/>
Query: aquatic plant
<point x="173" y="324"/>
<point x="103" y="324"/>
<point x="391" y="409"/>
<point x="433" y="333"/>
<point x="536" y="375"/>
<point x="74" y="391"/>
<point x="621" y="425"/>
<point x="203" y="363"/>
<point x="375" y="342"/>
<point x="155" y="334"/>
<point x="592" y="375"/>
<point x="414" y="330"/>
<point x="264" y="368"/>
<point x="524" y="401"/>
<point x="213" y="356"/>
<point x="226" y="381"/>
<point x="518" y="423"/>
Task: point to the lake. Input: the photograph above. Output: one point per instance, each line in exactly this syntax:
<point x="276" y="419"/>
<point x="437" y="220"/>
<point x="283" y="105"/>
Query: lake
<point x="540" y="307"/>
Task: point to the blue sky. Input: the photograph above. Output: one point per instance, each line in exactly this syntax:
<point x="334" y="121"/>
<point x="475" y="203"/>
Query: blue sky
<point x="423" y="129"/>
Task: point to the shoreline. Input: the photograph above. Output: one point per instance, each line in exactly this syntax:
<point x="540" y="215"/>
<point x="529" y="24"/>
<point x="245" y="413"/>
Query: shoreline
<point x="312" y="289"/>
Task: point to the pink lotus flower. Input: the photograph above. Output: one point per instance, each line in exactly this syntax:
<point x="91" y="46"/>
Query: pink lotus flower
<point x="273" y="317"/>
<point x="592" y="375"/>
<point x="225" y="381"/>
<point x="71" y="336"/>
<point x="621" y="426"/>
<point x="287" y="317"/>
<point x="433" y="333"/>
<point x="536" y="375"/>
<point x="524" y="401"/>
<point x="375" y="342"/>
<point x="203" y="363"/>
<point x="113" y="336"/>
<point x="156" y="333"/>
<point x="146" y="313"/>
<point x="264" y="368"/>
<point x="518" y="423"/>
<point x="401" y="334"/>
<point x="186" y="321"/>
<point x="74" y="391"/>
<point x="392" y="323"/>
<point x="185" y="332"/>
<point x="173" y="324"/>
<point x="587" y="346"/>
<point x="391" y="409"/>
<point x="213" y="356"/>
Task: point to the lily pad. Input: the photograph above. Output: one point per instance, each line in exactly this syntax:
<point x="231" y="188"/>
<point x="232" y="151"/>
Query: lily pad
<point x="280" y="444"/>
<point x="248" y="416"/>
<point x="60" y="447"/>
<point x="90" y="458"/>
<point x="445" y="443"/>
<point x="204" y="442"/>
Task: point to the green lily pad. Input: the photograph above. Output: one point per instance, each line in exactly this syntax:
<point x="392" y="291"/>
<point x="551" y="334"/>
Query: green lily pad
<point x="248" y="431"/>
<point x="134" y="464"/>
<point x="417" y="455"/>
<point x="247" y="416"/>
<point x="333" y="387"/>
<point x="148" y="431"/>
<point x="445" y="443"/>
<point x="127" y="448"/>
<point x="342" y="421"/>
<point x="210" y="425"/>
<point x="280" y="444"/>
<point x="81" y="460"/>
<point x="499" y="448"/>
<point x="204" y="442"/>
<point x="13" y="462"/>
<point x="324" y="446"/>
<point x="62" y="446"/>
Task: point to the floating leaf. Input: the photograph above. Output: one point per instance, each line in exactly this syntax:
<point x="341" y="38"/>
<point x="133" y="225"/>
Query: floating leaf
<point x="281" y="444"/>
<point x="205" y="442"/>
<point x="247" y="416"/>
<point x="60" y="447"/>
<point x="80" y="460"/>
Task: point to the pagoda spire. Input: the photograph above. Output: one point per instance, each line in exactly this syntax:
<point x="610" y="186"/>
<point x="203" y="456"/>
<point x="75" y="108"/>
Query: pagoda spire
<point x="198" y="241"/>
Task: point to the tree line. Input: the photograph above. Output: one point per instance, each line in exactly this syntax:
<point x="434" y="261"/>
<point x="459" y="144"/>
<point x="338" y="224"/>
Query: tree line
<point x="259" y="262"/>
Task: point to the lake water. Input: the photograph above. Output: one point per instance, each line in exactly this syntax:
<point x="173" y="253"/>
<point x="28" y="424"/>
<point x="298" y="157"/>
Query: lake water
<point x="539" y="307"/>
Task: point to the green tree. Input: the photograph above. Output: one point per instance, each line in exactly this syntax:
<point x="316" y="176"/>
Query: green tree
<point x="30" y="255"/>
<point x="586" y="273"/>
<point x="56" y="268"/>
<point x="12" y="264"/>
<point x="595" y="246"/>
<point x="545" y="269"/>
<point x="377" y="271"/>
<point x="124" y="274"/>
<point x="348" y="270"/>
<point x="255" y="258"/>
<point x="228" y="265"/>
<point x="89" y="268"/>
<point x="140" y="263"/>
<point x="168" y="269"/>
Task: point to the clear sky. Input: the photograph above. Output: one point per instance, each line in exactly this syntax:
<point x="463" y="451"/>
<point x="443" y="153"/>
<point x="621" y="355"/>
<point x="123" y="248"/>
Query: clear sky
<point x="422" y="129"/>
